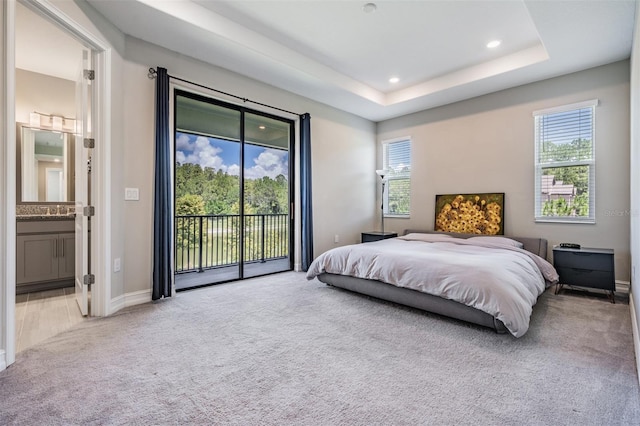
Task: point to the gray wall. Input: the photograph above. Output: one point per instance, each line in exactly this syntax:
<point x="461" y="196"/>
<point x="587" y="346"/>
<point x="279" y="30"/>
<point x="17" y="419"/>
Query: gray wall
<point x="43" y="93"/>
<point x="343" y="150"/>
<point x="483" y="144"/>
<point x="486" y="144"/>
<point x="635" y="184"/>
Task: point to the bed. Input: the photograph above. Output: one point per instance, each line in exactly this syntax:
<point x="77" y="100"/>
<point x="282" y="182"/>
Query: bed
<point x="492" y="281"/>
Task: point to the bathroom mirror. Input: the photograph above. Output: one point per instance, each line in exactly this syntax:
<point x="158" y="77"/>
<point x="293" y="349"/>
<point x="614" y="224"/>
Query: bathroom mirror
<point x="45" y="165"/>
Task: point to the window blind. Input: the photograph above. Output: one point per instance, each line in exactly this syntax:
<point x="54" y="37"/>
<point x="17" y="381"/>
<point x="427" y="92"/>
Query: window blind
<point x="565" y="163"/>
<point x="566" y="136"/>
<point x="397" y="160"/>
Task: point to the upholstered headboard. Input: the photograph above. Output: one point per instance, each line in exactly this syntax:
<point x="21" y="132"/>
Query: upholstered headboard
<point x="534" y="245"/>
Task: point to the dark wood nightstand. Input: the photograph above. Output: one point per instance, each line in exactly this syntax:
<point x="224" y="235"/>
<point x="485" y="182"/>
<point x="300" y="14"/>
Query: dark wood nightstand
<point x="368" y="237"/>
<point x="585" y="267"/>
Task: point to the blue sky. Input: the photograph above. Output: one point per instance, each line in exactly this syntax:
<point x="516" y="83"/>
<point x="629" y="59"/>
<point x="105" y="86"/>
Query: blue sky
<point x="224" y="155"/>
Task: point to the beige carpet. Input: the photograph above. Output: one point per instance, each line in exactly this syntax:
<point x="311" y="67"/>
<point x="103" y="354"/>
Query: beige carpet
<point x="281" y="350"/>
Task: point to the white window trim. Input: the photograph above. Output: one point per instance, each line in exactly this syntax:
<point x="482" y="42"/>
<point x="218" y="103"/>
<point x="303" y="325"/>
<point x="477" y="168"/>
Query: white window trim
<point x="386" y="193"/>
<point x="565" y="108"/>
<point x="591" y="219"/>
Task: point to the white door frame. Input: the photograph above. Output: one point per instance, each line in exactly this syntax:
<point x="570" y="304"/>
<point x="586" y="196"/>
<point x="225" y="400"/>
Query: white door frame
<point x="101" y="240"/>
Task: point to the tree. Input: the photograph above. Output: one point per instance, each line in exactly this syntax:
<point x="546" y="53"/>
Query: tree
<point x="206" y="191"/>
<point x="187" y="229"/>
<point x="267" y="196"/>
<point x="190" y="205"/>
<point x="219" y="190"/>
<point x="578" y="176"/>
<point x="577" y="149"/>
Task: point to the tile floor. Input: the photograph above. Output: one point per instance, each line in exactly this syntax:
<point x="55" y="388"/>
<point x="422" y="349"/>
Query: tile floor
<point x="44" y="314"/>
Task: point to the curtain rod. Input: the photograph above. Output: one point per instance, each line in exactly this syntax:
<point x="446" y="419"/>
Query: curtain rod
<point x="153" y="72"/>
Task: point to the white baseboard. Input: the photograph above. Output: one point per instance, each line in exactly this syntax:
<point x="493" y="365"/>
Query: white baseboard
<point x="623" y="286"/>
<point x="130" y="299"/>
<point x="636" y="337"/>
<point x="3" y="360"/>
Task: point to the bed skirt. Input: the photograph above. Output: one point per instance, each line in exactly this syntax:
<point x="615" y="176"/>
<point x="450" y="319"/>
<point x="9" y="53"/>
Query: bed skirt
<point x="414" y="299"/>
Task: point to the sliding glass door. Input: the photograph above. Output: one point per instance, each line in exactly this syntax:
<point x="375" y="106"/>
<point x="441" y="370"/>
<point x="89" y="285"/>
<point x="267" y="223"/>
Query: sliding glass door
<point x="232" y="192"/>
<point x="266" y="194"/>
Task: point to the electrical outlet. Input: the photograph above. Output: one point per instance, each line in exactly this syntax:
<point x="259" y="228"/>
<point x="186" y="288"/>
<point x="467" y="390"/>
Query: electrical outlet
<point x="131" y="194"/>
<point x="117" y="264"/>
<point x="336" y="238"/>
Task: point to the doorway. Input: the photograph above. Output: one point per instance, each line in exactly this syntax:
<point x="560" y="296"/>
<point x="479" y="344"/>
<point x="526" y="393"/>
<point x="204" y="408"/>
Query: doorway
<point x="233" y="192"/>
<point x="59" y="15"/>
<point x="47" y="66"/>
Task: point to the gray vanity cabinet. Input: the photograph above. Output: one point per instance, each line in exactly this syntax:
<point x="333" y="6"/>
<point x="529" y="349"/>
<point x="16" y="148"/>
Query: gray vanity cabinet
<point x="45" y="255"/>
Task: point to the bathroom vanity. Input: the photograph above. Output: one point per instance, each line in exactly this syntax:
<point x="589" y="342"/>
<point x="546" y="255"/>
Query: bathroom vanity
<point x="45" y="252"/>
<point x="45" y="219"/>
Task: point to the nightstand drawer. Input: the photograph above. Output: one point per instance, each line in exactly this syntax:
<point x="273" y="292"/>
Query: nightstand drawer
<point x="587" y="278"/>
<point x="583" y="260"/>
<point x="368" y="237"/>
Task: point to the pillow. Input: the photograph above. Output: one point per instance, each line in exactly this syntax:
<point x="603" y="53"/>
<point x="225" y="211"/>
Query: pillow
<point x="497" y="240"/>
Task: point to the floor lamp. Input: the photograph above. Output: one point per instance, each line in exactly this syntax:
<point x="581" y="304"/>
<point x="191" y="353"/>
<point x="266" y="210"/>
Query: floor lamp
<point x="382" y="173"/>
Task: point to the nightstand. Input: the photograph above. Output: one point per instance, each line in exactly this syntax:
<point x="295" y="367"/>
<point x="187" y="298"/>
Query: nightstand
<point x="368" y="237"/>
<point x="585" y="267"/>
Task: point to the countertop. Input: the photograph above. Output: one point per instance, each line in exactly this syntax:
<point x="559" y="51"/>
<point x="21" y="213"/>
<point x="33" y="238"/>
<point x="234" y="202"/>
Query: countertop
<point x="33" y="217"/>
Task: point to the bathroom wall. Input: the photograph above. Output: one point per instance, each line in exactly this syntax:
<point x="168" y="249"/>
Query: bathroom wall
<point x="49" y="96"/>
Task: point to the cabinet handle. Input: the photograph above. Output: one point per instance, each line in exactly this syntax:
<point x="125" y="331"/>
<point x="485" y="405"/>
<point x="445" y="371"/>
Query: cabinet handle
<point x="61" y="248"/>
<point x="55" y="248"/>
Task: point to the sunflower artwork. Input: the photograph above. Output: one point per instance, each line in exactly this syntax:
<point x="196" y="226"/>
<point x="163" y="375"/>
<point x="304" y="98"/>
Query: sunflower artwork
<point x="481" y="214"/>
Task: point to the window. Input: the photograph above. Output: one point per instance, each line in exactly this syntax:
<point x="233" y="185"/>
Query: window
<point x="565" y="163"/>
<point x="396" y="158"/>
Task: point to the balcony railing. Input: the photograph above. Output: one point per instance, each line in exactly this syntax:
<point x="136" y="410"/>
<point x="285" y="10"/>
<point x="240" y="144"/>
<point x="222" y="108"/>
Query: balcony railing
<point x="211" y="241"/>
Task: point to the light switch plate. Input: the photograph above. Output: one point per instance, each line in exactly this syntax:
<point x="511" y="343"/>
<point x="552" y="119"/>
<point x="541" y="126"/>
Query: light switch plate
<point x="131" y="194"/>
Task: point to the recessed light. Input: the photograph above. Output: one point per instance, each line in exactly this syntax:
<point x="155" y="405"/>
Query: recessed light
<point x="493" y="44"/>
<point x="261" y="127"/>
<point x="369" y="8"/>
<point x="394" y="80"/>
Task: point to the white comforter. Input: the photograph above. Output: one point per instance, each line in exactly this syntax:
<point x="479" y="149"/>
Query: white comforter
<point x="499" y="279"/>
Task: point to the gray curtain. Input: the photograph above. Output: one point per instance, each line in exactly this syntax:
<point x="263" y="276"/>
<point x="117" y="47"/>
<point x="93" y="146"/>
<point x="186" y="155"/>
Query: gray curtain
<point x="162" y="203"/>
<point x="306" y="208"/>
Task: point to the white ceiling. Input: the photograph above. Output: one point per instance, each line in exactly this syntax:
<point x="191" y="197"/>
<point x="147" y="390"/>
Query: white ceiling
<point x="335" y="53"/>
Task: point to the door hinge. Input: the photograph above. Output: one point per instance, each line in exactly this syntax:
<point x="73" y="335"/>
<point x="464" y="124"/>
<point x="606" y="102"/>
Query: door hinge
<point x="89" y="74"/>
<point x="89" y="279"/>
<point x="89" y="211"/>
<point x="89" y="143"/>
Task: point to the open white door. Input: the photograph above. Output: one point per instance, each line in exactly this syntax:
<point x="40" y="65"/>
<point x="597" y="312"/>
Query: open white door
<point x="82" y="178"/>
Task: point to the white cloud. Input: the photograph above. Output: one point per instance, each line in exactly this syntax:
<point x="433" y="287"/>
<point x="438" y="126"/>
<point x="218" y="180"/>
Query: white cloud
<point x="183" y="144"/>
<point x="269" y="163"/>
<point x="233" y="170"/>
<point x="201" y="153"/>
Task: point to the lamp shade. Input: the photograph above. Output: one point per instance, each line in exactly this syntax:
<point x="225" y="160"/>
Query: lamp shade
<point x="382" y="172"/>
